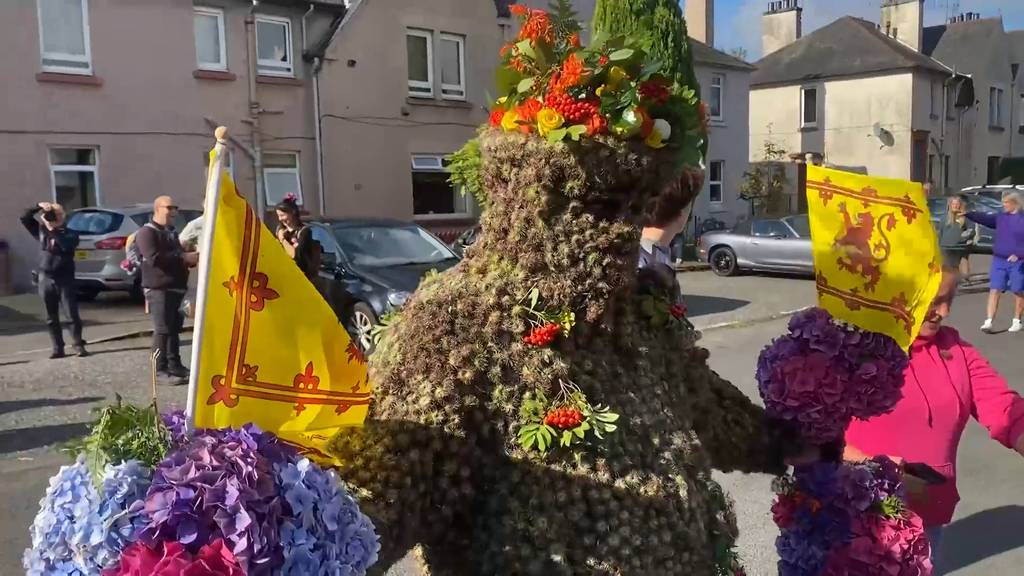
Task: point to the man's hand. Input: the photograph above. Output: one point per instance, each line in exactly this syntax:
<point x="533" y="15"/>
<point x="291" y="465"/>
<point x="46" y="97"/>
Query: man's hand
<point x="1012" y="258"/>
<point x="191" y="258"/>
<point x="45" y="206"/>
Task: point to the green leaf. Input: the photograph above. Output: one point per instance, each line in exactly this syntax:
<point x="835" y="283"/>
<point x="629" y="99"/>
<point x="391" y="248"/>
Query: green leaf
<point x="576" y="131"/>
<point x="557" y="135"/>
<point x="607" y="416"/>
<point x="528" y="442"/>
<point x="609" y="428"/>
<point x="506" y="79"/>
<point x="526" y="49"/>
<point x="534" y="296"/>
<point x="620" y="55"/>
<point x="579" y="431"/>
<point x="566" y="438"/>
<point x="584" y="426"/>
<point x="526" y="84"/>
<point x="600" y="39"/>
<point x="542" y="443"/>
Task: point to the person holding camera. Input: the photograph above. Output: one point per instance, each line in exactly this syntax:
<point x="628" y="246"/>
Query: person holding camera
<point x="165" y="276"/>
<point x="56" y="273"/>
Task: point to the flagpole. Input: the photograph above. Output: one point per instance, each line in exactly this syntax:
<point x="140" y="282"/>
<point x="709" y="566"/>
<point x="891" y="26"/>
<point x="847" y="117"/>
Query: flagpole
<point x="211" y="203"/>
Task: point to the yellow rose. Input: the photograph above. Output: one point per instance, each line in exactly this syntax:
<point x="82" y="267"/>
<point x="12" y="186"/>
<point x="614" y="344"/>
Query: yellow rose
<point x="510" y="121"/>
<point x="616" y="75"/>
<point x="601" y="90"/>
<point x="548" y="119"/>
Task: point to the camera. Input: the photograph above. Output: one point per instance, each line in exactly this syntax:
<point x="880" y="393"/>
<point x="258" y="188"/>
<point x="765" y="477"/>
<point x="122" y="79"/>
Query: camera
<point x="50" y="215"/>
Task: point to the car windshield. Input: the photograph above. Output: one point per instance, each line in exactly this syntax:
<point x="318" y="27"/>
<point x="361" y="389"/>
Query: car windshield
<point x="800" y="224"/>
<point x="94" y="222"/>
<point x="382" y="245"/>
<point x="985" y="204"/>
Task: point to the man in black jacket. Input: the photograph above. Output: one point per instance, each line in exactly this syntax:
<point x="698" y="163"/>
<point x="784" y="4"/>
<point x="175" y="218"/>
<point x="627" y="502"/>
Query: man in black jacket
<point x="165" y="274"/>
<point x="56" y="273"/>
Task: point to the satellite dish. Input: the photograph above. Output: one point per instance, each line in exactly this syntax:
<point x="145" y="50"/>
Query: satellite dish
<point x="884" y="136"/>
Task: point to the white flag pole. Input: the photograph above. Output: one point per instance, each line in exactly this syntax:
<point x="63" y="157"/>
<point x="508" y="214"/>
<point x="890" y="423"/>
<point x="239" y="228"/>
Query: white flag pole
<point x="211" y="202"/>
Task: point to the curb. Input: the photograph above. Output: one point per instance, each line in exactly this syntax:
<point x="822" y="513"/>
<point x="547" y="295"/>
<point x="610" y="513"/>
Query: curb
<point x="757" y="320"/>
<point x="132" y="334"/>
<point x="692" y="267"/>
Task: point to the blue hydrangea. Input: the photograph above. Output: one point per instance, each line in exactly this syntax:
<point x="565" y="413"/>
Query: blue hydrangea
<point x="61" y="528"/>
<point x="325" y="534"/>
<point x="82" y="530"/>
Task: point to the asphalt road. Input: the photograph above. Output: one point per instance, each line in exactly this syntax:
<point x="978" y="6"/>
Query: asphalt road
<point x="44" y="402"/>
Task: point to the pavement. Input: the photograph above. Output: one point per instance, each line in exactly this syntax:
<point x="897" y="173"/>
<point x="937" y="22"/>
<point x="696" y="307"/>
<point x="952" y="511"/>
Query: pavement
<point x="44" y="403"/>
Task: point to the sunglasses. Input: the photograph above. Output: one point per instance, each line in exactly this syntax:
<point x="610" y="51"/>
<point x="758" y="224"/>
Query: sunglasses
<point x="169" y="207"/>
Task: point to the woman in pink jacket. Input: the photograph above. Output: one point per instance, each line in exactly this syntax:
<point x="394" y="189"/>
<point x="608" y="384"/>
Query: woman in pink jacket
<point x="947" y="382"/>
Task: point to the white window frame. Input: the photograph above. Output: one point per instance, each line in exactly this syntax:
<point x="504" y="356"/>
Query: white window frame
<point x="435" y="163"/>
<point x="274" y="170"/>
<point x="995" y="106"/>
<point x="86" y="59"/>
<point x="219" y="15"/>
<point x="461" y="87"/>
<point x="425" y="89"/>
<point x="94" y="168"/>
<point x="273" y="67"/>
<point x="803" y="103"/>
<point x="720" y="87"/>
<point x="719" y="183"/>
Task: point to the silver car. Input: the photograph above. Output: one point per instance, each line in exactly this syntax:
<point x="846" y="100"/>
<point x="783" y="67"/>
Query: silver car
<point x="764" y="244"/>
<point x="103" y="233"/>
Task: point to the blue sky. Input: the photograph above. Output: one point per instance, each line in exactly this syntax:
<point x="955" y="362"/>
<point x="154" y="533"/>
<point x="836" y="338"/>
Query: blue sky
<point x="738" y="22"/>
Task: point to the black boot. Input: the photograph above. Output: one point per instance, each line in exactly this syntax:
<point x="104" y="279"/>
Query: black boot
<point x="57" y="338"/>
<point x="177" y="369"/>
<point x="57" y="353"/>
<point x="81" y="351"/>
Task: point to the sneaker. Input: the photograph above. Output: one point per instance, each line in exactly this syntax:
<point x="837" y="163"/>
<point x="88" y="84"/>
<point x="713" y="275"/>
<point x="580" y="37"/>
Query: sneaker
<point x="57" y="354"/>
<point x="81" y="351"/>
<point x="1016" y="326"/>
<point x="168" y="379"/>
<point x="987" y="326"/>
<point x="177" y="370"/>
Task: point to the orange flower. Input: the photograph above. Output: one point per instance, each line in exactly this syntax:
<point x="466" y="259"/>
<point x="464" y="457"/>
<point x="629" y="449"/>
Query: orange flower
<point x="573" y="71"/>
<point x="496" y="115"/>
<point x="574" y="40"/>
<point x="596" y="124"/>
<point x="518" y="10"/>
<point x="527" y="111"/>
<point x="505" y="49"/>
<point x="538" y="27"/>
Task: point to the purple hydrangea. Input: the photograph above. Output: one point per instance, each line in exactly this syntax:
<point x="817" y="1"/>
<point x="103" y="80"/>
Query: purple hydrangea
<point x="862" y="487"/>
<point x="221" y="485"/>
<point x="822" y="375"/>
<point x="325" y="533"/>
<point x="175" y="421"/>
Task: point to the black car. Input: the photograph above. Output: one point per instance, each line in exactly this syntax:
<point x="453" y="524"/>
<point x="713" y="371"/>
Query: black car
<point x="465" y="240"/>
<point x="371" y="267"/>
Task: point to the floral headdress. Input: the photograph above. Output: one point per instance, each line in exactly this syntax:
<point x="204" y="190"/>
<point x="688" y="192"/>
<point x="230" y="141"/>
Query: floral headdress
<point x="551" y="85"/>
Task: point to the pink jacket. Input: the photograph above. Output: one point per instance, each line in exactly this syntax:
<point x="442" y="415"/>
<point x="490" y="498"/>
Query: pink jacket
<point x="947" y="382"/>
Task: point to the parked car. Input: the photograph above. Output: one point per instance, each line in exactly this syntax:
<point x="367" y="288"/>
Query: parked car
<point x="103" y="233"/>
<point x="975" y="202"/>
<point x="764" y="244"/>
<point x="465" y="240"/>
<point x="993" y="191"/>
<point x="372" y="267"/>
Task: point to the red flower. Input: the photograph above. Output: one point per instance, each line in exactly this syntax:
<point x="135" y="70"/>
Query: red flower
<point x="542" y="335"/>
<point x="518" y="10"/>
<point x="538" y="27"/>
<point x="678" y="311"/>
<point x="603" y="60"/>
<point x="172" y="559"/>
<point x="654" y="90"/>
<point x="597" y="124"/>
<point x="572" y="71"/>
<point x="565" y="418"/>
<point x="528" y="110"/>
<point x="496" y="115"/>
<point x="574" y="40"/>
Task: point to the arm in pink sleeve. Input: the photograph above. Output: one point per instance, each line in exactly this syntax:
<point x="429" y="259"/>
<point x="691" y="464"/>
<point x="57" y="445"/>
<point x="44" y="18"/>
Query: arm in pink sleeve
<point x="995" y="405"/>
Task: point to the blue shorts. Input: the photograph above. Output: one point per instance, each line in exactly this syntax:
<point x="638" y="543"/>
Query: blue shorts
<point x="1007" y="275"/>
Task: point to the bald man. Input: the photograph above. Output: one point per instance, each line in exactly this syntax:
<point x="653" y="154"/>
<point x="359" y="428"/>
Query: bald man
<point x="165" y="275"/>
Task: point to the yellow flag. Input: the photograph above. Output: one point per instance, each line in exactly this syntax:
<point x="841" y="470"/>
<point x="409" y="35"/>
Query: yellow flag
<point x="272" y="350"/>
<point x="876" y="256"/>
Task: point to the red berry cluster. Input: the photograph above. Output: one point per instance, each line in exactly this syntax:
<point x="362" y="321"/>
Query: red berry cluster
<point x="678" y="311"/>
<point x="654" y="90"/>
<point x="542" y="335"/>
<point x="564" y="418"/>
<point x="573" y="110"/>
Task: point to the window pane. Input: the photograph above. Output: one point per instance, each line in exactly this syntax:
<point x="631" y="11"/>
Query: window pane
<point x="328" y="249"/>
<point x="810" y="106"/>
<point x="63" y="26"/>
<point x="801" y="225"/>
<point x="75" y="189"/>
<point x="450" y="68"/>
<point x="716" y="101"/>
<point x="716" y="171"/>
<point x="279" y="184"/>
<point x="715" y="192"/>
<point x="91" y="222"/>
<point x="418" y="64"/>
<point x="208" y="39"/>
<point x="432" y="193"/>
<point x="73" y="156"/>
<point x="390" y="245"/>
<point x="280" y="161"/>
<point x="273" y="41"/>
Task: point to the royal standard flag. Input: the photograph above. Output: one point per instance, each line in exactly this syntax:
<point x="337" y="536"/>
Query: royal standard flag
<point x="876" y="257"/>
<point x="272" y="350"/>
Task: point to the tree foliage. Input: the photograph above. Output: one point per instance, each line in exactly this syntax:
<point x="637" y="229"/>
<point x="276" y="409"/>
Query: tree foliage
<point x="764" y="184"/>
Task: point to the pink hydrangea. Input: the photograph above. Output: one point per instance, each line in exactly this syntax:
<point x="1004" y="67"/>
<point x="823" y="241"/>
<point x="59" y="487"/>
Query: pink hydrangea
<point x="883" y="546"/>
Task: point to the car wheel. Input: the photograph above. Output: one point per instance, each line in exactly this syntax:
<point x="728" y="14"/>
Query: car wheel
<point x="363" y="320"/>
<point x="723" y="262"/>
<point x="87" y="294"/>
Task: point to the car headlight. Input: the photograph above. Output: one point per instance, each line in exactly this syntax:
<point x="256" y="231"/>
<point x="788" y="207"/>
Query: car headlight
<point x="398" y="298"/>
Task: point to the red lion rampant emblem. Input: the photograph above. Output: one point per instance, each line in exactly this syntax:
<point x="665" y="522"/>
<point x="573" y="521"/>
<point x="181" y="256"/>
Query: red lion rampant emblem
<point x="856" y="253"/>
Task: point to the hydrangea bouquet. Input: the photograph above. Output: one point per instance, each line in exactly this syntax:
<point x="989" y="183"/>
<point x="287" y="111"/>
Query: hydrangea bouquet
<point x="220" y="502"/>
<point x="839" y="519"/>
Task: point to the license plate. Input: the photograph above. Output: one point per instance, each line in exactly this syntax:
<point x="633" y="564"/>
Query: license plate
<point x="81" y="254"/>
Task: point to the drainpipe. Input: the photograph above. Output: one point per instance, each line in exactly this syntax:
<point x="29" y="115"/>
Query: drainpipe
<point x="1014" y="69"/>
<point x="942" y="132"/>
<point x="255" y="110"/>
<point x="317" y="131"/>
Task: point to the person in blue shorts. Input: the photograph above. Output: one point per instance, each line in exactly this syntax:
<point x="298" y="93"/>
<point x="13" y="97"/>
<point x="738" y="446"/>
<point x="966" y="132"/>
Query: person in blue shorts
<point x="1007" y="271"/>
